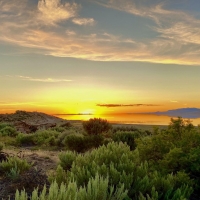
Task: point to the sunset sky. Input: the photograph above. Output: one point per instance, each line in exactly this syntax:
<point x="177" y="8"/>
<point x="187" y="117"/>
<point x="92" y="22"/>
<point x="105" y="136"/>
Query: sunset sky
<point x="99" y="56"/>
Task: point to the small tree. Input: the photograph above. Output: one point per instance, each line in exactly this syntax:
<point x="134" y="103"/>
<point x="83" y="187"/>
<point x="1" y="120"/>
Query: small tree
<point x="96" y="126"/>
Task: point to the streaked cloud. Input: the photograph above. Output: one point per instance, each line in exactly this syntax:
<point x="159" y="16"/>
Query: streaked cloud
<point x="46" y="80"/>
<point x="124" y="105"/>
<point x="38" y="29"/>
<point x="84" y="21"/>
<point x="173" y="101"/>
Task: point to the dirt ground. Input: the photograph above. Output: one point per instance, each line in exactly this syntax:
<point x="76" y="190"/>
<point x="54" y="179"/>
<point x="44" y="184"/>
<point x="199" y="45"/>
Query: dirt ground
<point x="43" y="162"/>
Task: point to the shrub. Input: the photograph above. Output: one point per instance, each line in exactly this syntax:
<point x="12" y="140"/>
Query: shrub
<point x="153" y="148"/>
<point x="41" y="137"/>
<point x="61" y="137"/>
<point x="58" y="129"/>
<point x="66" y="159"/>
<point x="14" y="173"/>
<point x="45" y="136"/>
<point x="96" y="189"/>
<point x="124" y="129"/>
<point x="8" y="131"/>
<point x="123" y="167"/>
<point x="74" y="143"/>
<point x="80" y="143"/>
<point x="96" y="126"/>
<point x="3" y="125"/>
<point x="25" y="139"/>
<point x="127" y="137"/>
<point x="14" y="164"/>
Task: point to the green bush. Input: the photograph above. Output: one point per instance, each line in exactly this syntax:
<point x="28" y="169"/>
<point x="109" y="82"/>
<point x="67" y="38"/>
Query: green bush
<point x="45" y="137"/>
<point x="154" y="147"/>
<point x="3" y="125"/>
<point x="124" y="129"/>
<point x="80" y="143"/>
<point x="123" y="167"/>
<point x="127" y="137"/>
<point x="58" y="129"/>
<point x="14" y="165"/>
<point x="96" y="126"/>
<point x="97" y="188"/>
<point x="41" y="137"/>
<point x="25" y="139"/>
<point x="8" y="131"/>
<point x="66" y="159"/>
<point x="74" y="143"/>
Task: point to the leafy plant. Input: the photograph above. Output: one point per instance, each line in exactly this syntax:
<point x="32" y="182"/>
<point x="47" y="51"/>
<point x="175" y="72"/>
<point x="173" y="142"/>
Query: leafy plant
<point x="127" y="137"/>
<point x="66" y="159"/>
<point x="80" y="143"/>
<point x="123" y="167"/>
<point x="14" y="163"/>
<point x="96" y="126"/>
<point x="8" y="131"/>
<point x="97" y="188"/>
<point x="14" y="173"/>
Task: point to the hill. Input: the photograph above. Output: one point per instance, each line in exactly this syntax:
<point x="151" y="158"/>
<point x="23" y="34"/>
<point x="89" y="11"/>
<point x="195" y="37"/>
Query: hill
<point x="190" y="113"/>
<point x="30" y="121"/>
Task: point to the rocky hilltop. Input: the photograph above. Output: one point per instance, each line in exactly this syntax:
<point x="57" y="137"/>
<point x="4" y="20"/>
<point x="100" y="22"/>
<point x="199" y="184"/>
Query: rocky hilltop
<point x="30" y="121"/>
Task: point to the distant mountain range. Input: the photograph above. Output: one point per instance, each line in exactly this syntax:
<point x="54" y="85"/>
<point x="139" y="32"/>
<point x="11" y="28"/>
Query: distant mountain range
<point x="190" y="113"/>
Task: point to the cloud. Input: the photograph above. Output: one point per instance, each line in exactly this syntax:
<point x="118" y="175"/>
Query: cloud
<point x="173" y="101"/>
<point x="46" y="80"/>
<point x="2" y="104"/>
<point x="52" y="11"/>
<point x="38" y="30"/>
<point x="70" y="32"/>
<point x="83" y="21"/>
<point x="124" y="105"/>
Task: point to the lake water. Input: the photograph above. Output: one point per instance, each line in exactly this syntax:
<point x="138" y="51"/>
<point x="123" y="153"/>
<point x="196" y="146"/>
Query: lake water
<point x="146" y="119"/>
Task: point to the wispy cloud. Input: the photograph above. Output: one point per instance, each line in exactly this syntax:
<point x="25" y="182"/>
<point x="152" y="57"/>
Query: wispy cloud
<point x="4" y="104"/>
<point x="46" y="80"/>
<point x="124" y="105"/>
<point x="173" y="101"/>
<point x="38" y="28"/>
<point x="84" y="21"/>
<point x="52" y="11"/>
<point x="70" y="32"/>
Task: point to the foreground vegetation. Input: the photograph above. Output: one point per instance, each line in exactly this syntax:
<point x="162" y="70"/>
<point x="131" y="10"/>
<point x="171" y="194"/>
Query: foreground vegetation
<point x="99" y="162"/>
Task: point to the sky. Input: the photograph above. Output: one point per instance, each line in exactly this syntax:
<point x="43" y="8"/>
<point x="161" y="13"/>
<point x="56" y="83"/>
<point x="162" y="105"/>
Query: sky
<point x="99" y="56"/>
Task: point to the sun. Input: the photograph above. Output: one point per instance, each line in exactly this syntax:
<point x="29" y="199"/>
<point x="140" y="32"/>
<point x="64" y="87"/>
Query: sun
<point x="87" y="112"/>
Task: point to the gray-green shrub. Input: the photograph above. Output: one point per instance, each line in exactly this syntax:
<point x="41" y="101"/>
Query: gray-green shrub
<point x="123" y="167"/>
<point x="97" y="188"/>
<point x="66" y="159"/>
<point x="14" y="164"/>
